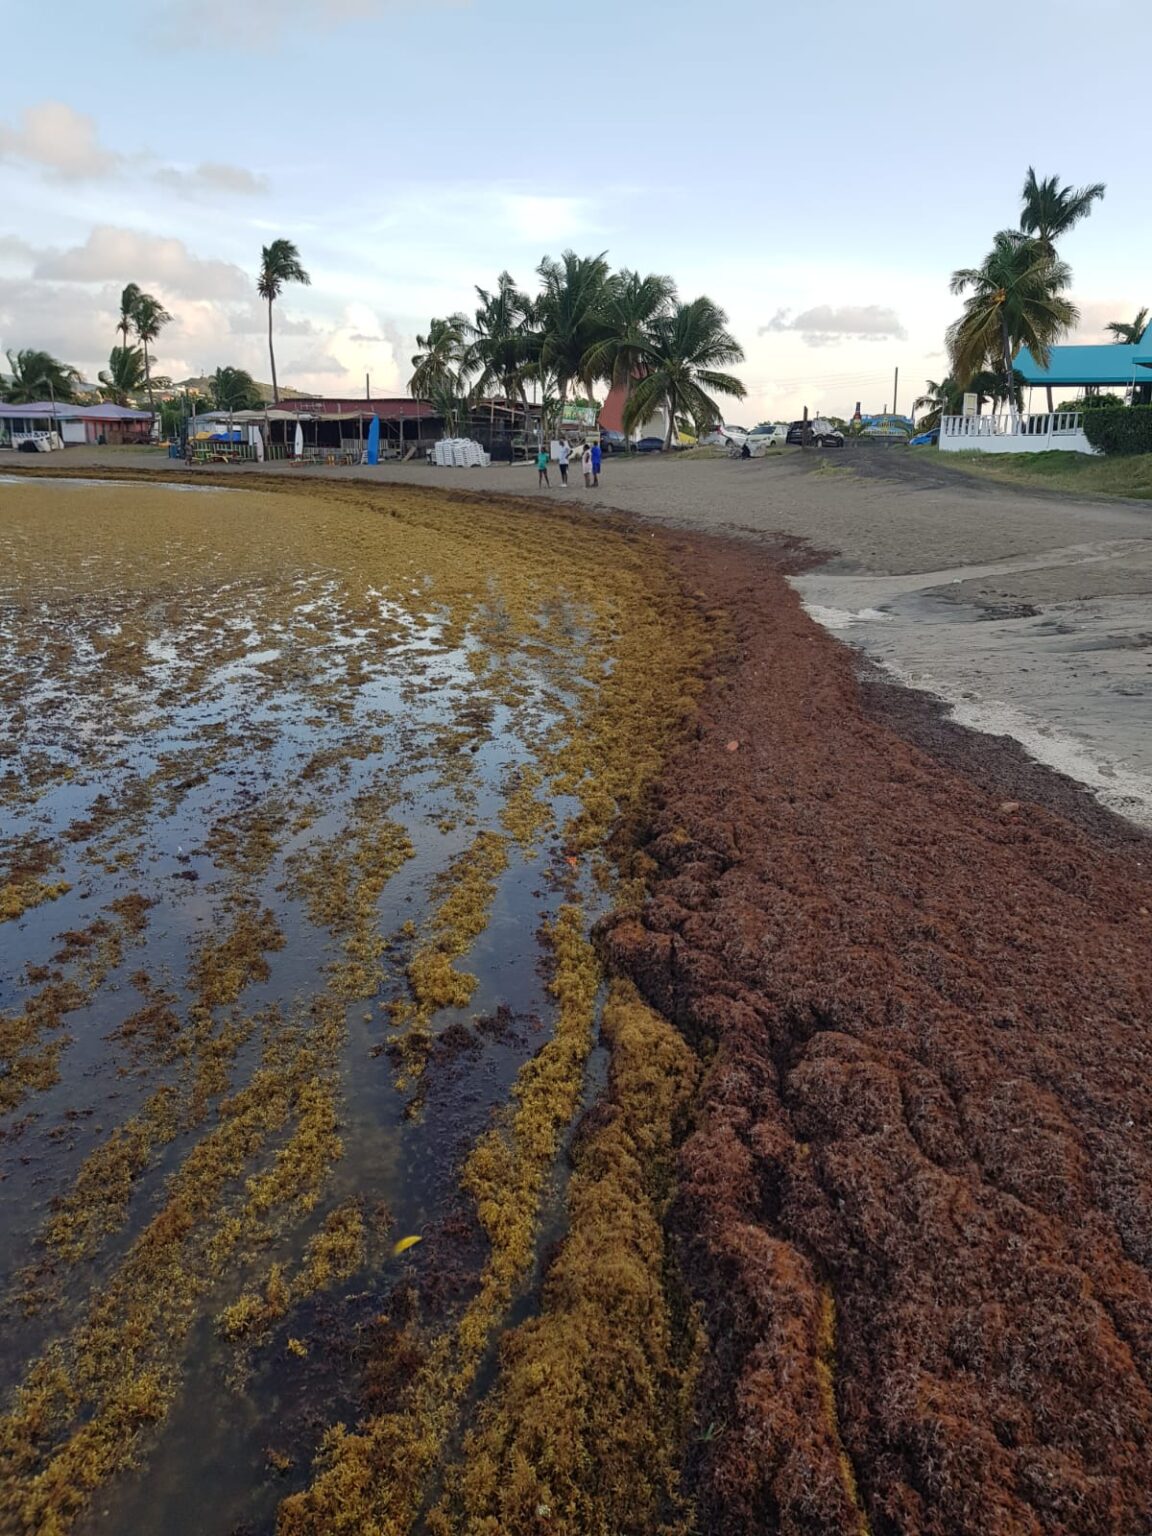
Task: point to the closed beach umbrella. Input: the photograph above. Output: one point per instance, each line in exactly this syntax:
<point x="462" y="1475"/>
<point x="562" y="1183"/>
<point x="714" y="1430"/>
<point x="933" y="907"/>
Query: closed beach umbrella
<point x="299" y="448"/>
<point x="374" y="441"/>
<point x="258" y="444"/>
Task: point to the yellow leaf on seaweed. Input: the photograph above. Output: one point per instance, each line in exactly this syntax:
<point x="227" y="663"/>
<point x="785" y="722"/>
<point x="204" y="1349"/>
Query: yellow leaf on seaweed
<point x="405" y="1243"/>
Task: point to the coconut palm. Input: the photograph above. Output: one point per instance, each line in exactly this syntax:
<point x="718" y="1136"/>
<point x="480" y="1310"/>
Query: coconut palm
<point x="1016" y="301"/>
<point x="124" y="376"/>
<point x="679" y="365"/>
<point x="149" y="317"/>
<point x="631" y="306"/>
<point x="279" y="264"/>
<point x="36" y="375"/>
<point x="1129" y="334"/>
<point x="1050" y="210"/>
<point x="129" y="299"/>
<point x="234" y="389"/>
<point x="441" y="360"/>
<point x="500" y="343"/>
<point x="569" y="321"/>
<point x="939" y="399"/>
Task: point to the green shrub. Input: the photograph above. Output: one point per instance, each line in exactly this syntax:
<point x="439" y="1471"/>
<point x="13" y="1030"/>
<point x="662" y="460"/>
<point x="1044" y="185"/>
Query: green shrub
<point x="1127" y="429"/>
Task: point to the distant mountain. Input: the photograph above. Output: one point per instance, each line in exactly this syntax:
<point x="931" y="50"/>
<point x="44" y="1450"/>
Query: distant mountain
<point x="203" y="386"/>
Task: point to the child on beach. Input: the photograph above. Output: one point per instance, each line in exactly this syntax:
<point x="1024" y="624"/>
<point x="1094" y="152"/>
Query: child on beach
<point x="586" y="464"/>
<point x="595" y="463"/>
<point x="542" y="468"/>
<point x="562" y="460"/>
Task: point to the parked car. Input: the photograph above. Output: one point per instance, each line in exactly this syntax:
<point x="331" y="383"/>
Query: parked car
<point x="613" y="442"/>
<point x="927" y="439"/>
<point x="824" y="434"/>
<point x="766" y="436"/>
<point x="649" y="445"/>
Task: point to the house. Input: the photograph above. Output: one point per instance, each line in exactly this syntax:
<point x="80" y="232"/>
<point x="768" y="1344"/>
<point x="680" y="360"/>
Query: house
<point x="75" y="423"/>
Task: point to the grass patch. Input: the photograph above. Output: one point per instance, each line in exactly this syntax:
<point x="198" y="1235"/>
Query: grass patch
<point x="1127" y="476"/>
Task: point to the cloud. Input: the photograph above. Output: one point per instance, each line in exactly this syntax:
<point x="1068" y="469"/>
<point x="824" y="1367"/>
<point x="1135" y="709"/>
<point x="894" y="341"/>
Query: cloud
<point x="13" y="249"/>
<point x="211" y="176"/>
<point x="827" y="325"/>
<point x="1095" y="315"/>
<point x="59" y="141"/>
<point x="252" y="320"/>
<point x="111" y="254"/>
<point x="268" y="24"/>
<point x="544" y="218"/>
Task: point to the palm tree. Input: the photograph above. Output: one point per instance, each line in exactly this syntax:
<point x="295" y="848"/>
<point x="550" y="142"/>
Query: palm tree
<point x="1050" y="210"/>
<point x="124" y="376"/>
<point x="441" y="360"/>
<point x="234" y="389"/>
<point x="631" y="306"/>
<point x="569" y="321"/>
<point x="1129" y="335"/>
<point x="679" y="364"/>
<point x="279" y="264"/>
<point x="149" y="317"/>
<point x="500" y="344"/>
<point x="943" y="399"/>
<point x="1016" y="301"/>
<point x="32" y="374"/>
<point x="129" y="299"/>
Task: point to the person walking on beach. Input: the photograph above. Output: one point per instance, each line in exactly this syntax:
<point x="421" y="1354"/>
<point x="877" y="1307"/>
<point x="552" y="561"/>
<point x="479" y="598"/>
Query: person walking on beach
<point x="542" y="468"/>
<point x="562" y="458"/>
<point x="595" y="463"/>
<point x="586" y="465"/>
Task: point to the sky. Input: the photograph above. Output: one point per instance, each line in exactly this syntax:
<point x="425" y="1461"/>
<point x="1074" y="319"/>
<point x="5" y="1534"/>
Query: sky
<point x="818" y="172"/>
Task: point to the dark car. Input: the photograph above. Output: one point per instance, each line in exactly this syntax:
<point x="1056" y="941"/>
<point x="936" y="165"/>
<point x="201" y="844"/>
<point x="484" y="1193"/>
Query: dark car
<point x="650" y="445"/>
<point x="823" y="433"/>
<point x="613" y="442"/>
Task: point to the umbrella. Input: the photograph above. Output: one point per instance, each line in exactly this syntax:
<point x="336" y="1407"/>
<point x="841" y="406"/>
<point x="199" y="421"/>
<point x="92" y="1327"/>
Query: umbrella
<point x="299" y="448"/>
<point x="374" y="441"/>
<point x="258" y="444"/>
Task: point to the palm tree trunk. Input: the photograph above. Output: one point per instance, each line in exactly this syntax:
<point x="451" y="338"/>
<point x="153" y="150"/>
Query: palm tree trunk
<point x="148" y="377"/>
<point x="1007" y="347"/>
<point x="272" y="358"/>
<point x="671" y="424"/>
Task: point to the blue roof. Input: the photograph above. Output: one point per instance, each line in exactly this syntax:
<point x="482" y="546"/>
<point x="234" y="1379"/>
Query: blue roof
<point x="1069" y="367"/>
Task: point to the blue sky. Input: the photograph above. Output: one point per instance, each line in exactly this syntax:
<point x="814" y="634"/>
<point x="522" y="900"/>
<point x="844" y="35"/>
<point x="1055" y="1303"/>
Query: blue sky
<point x="816" y="171"/>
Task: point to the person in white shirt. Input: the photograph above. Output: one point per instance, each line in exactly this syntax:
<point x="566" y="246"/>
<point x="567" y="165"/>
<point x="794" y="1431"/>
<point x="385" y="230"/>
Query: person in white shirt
<point x="586" y="464"/>
<point x="563" y="458"/>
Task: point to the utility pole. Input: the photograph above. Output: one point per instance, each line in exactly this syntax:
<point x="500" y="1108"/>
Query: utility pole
<point x="895" y="385"/>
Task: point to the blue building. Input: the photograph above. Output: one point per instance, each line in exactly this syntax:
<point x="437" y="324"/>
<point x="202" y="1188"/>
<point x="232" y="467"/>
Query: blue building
<point x="1091" y="369"/>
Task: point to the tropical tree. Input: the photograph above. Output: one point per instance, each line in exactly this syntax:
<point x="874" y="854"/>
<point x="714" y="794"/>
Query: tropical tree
<point x="36" y="375"/>
<point x="440" y="362"/>
<point x="1015" y="300"/>
<point x="124" y="376"/>
<point x="279" y="264"/>
<point x="500" y="344"/>
<point x="679" y="367"/>
<point x="1129" y="334"/>
<point x="631" y="306"/>
<point x="233" y="389"/>
<point x="569" y="319"/>
<point x="939" y="399"/>
<point x="149" y="317"/>
<point x="1050" y="210"/>
<point x="129" y="298"/>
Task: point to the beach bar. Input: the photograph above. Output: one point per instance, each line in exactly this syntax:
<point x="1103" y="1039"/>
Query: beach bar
<point x="58" y="425"/>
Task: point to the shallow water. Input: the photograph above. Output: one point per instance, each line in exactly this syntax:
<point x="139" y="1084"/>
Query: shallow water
<point x="230" y="749"/>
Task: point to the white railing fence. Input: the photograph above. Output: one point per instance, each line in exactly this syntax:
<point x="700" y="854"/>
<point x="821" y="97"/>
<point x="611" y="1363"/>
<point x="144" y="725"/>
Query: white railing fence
<point x="1025" y="433"/>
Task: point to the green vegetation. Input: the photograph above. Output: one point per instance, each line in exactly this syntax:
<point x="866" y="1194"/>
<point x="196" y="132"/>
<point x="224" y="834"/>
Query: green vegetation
<point x="233" y="389"/>
<point x="1127" y="476"/>
<point x="587" y="326"/>
<point x="1121" y="430"/>
<point x="33" y="375"/>
<point x="279" y="264"/>
<point x="1016" y="300"/>
<point x="1128" y="333"/>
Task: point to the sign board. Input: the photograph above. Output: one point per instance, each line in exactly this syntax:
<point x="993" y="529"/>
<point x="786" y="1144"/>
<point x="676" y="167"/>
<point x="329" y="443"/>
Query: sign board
<point x="582" y="416"/>
<point x="971" y="404"/>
